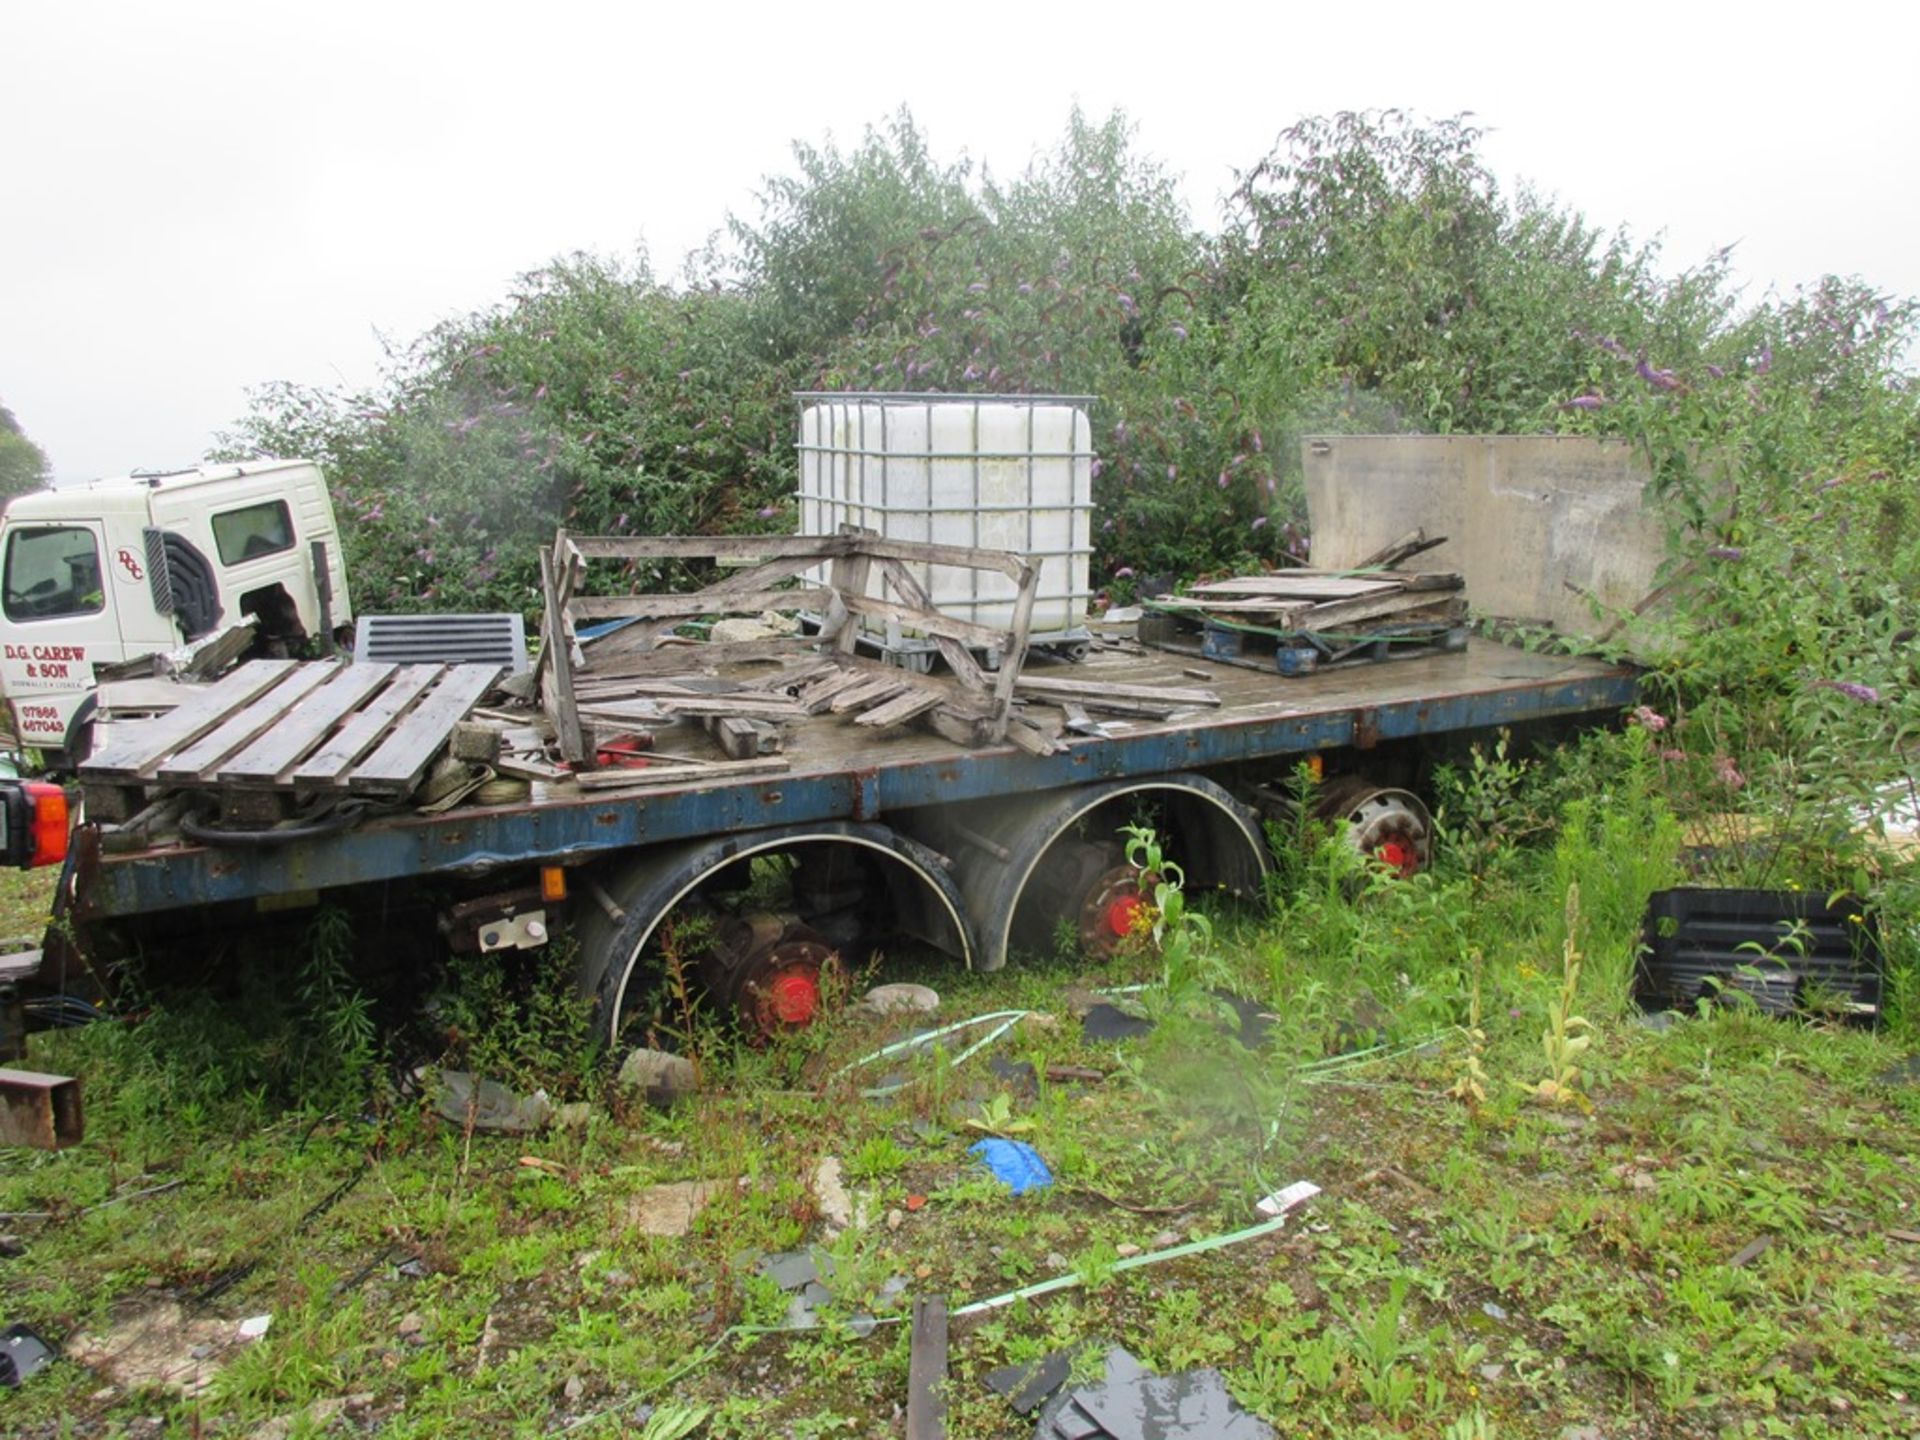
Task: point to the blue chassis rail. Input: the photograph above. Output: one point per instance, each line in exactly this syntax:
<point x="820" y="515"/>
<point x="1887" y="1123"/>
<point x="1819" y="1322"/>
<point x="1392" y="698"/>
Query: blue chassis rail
<point x="557" y="832"/>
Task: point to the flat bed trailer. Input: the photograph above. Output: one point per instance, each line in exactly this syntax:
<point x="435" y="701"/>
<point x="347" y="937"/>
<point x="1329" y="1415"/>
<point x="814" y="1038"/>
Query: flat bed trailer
<point x="980" y="852"/>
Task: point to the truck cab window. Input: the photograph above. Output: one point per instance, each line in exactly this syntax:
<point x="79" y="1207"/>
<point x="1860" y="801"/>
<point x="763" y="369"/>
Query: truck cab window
<point x="51" y="572"/>
<point x="253" y="531"/>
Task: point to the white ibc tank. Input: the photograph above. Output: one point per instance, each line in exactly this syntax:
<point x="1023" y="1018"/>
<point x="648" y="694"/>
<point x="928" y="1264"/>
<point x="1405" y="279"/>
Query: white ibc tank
<point x="1001" y="472"/>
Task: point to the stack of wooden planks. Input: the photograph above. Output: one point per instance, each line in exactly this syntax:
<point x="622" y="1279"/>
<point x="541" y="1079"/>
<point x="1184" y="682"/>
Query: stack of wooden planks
<point x="285" y="730"/>
<point x="1299" y="620"/>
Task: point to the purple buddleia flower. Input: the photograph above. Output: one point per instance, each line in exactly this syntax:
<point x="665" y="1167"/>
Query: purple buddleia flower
<point x="1259" y="522"/>
<point x="1125" y="572"/>
<point x="1725" y="552"/>
<point x="1864" y="694"/>
<point x="1126" y="302"/>
<point x="1716" y="372"/>
<point x="1223" y="480"/>
<point x="1588" y="401"/>
<point x="1658" y="379"/>
<point x="1765" y="362"/>
<point x="1179" y="331"/>
<point x="978" y="287"/>
<point x="1612" y="346"/>
<point x="1098" y="466"/>
<point x="1173" y="474"/>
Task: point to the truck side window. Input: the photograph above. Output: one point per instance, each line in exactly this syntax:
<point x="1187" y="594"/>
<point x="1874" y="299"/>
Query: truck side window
<point x="253" y="531"/>
<point x="53" y="571"/>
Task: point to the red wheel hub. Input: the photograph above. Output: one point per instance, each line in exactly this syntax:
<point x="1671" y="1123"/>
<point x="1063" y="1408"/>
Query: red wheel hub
<point x="793" y="996"/>
<point x="1122" y="912"/>
<point x="1397" y="855"/>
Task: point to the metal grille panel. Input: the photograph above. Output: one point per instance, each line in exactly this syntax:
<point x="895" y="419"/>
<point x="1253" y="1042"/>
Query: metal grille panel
<point x="446" y="639"/>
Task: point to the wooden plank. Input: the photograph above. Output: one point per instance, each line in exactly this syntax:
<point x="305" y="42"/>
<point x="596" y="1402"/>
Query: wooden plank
<point x="959" y="659"/>
<point x="927" y="1371"/>
<point x="700" y="602"/>
<point x="212" y="658"/>
<point x="1289" y="587"/>
<point x="747" y="707"/>
<point x="198" y="761"/>
<point x="848" y="577"/>
<point x="556" y="692"/>
<point x="1353" y="612"/>
<point x="877" y="689"/>
<point x="686" y="775"/>
<point x="964" y="557"/>
<point x="693" y="657"/>
<point x="900" y="709"/>
<point x="396" y="767"/>
<point x="712" y="547"/>
<point x="306" y="725"/>
<point x="814" y="697"/>
<point x="1396" y="552"/>
<point x="643" y="635"/>
<point x="1013" y="652"/>
<point x="144" y="744"/>
<point x="1085" y="690"/>
<point x="927" y="621"/>
<point x="330" y="763"/>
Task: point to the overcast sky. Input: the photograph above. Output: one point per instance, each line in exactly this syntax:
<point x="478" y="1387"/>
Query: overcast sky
<point x="202" y="198"/>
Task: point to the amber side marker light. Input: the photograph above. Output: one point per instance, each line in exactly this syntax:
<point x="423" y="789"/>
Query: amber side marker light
<point x="553" y="883"/>
<point x="33" y="823"/>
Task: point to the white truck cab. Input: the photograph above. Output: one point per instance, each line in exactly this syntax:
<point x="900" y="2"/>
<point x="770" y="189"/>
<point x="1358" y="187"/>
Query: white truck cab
<point x="113" y="570"/>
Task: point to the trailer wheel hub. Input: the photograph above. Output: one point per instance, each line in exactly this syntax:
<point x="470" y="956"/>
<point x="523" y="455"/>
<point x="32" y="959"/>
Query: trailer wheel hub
<point x="793" y="996"/>
<point x="1111" y="906"/>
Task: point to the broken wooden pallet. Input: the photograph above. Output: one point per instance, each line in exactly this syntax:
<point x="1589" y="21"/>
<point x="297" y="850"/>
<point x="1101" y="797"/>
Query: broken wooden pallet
<point x="291" y="728"/>
<point x="866" y="577"/>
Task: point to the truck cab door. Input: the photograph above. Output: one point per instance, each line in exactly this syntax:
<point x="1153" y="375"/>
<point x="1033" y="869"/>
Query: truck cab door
<point x="58" y="619"/>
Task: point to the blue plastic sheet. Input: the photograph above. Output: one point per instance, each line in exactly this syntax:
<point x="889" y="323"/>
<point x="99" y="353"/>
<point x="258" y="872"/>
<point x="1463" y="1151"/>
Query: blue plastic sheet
<point x="1014" y="1163"/>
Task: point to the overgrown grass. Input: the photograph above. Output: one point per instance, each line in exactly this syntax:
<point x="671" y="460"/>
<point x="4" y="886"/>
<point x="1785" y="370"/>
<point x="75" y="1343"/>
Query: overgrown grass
<point x="1508" y="1267"/>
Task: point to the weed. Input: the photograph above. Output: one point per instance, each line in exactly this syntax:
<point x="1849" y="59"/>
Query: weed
<point x="1567" y="1035"/>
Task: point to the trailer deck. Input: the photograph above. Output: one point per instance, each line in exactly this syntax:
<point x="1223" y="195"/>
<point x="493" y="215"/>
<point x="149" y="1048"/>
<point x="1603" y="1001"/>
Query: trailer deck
<point x="838" y="771"/>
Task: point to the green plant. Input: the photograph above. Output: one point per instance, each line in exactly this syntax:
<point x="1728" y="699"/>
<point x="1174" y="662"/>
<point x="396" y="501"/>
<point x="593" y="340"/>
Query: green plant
<point x="1567" y="1035"/>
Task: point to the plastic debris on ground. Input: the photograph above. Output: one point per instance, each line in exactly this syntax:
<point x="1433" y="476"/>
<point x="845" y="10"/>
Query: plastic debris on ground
<point x="1127" y="1402"/>
<point x="803" y="1275"/>
<point x="1014" y="1163"/>
<point x="1110" y="1022"/>
<point x="23" y="1354"/>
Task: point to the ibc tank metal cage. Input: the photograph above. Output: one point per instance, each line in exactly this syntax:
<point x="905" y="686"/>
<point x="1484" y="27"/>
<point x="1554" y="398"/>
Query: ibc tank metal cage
<point x="1005" y="472"/>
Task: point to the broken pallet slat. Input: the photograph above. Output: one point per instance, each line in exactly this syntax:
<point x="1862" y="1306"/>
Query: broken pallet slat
<point x="1397" y="607"/>
<point x="145" y="744"/>
<point x="1087" y="691"/>
<point x="1295" y="587"/>
<point x="305" y="726"/>
<point x="743" y="706"/>
<point x="686" y="607"/>
<point x="198" y="761"/>
<point x="329" y="764"/>
<point x="858" y="697"/>
<point x="927" y="1371"/>
<point x="900" y="709"/>
<point x="556" y="663"/>
<point x="690" y="775"/>
<point x="402" y="758"/>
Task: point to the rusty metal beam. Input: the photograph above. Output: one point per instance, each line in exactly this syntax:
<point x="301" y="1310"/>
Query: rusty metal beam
<point x="42" y="1111"/>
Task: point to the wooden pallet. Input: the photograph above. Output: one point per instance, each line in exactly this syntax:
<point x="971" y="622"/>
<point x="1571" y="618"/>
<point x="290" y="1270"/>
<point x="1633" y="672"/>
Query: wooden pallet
<point x="291" y="729"/>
